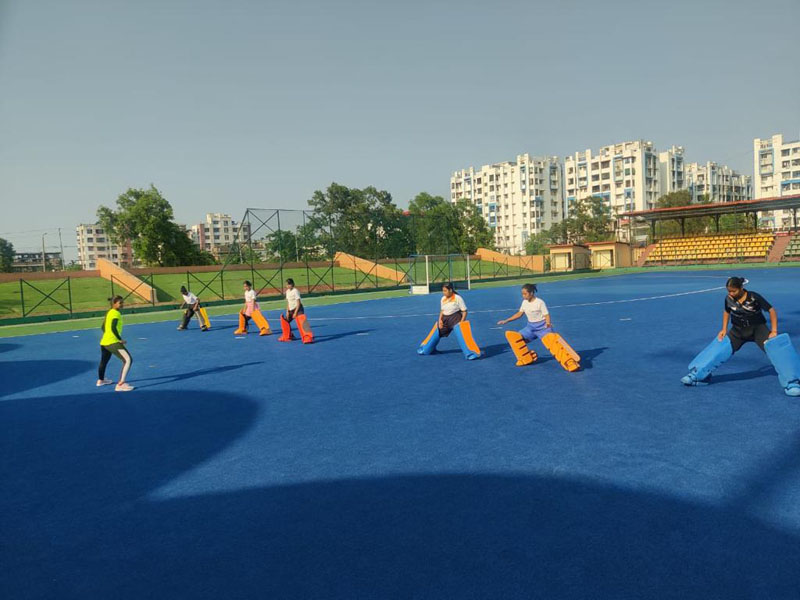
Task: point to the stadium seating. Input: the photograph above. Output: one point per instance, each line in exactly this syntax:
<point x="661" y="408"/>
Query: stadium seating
<point x="710" y="248"/>
<point x="792" y="251"/>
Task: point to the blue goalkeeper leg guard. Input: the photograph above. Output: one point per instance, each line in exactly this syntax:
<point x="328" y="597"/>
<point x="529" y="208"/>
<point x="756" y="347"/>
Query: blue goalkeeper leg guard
<point x="428" y="345"/>
<point x="712" y="356"/>
<point x="463" y="333"/>
<point x="786" y="362"/>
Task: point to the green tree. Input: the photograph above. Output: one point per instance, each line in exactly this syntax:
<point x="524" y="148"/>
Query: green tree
<point x="589" y="221"/>
<point x="6" y="256"/>
<point x="144" y="217"/>
<point x="363" y="222"/>
<point x="692" y="226"/>
<point x="539" y="242"/>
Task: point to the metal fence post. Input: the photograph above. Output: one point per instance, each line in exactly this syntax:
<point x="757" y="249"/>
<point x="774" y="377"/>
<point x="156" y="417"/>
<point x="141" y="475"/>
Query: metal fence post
<point x="69" y="295"/>
<point x="22" y="296"/>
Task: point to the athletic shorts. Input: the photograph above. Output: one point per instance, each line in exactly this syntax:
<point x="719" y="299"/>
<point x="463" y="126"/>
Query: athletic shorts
<point x="448" y="322"/>
<point x="293" y="314"/>
<point x="754" y="333"/>
<point x="534" y="330"/>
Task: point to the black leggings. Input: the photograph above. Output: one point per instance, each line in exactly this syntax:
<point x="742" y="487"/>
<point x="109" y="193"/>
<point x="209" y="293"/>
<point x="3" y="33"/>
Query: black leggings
<point x="292" y="314"/>
<point x="118" y="350"/>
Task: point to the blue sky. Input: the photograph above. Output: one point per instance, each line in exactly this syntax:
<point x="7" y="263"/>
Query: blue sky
<point x="225" y="105"/>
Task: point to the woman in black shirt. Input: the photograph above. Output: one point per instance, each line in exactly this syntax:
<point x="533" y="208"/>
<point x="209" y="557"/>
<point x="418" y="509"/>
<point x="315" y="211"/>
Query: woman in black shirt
<point x="743" y="309"/>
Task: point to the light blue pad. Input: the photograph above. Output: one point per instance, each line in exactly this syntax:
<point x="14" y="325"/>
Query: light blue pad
<point x="462" y="335"/>
<point x="712" y="356"/>
<point x="786" y="362"/>
<point x="428" y="345"/>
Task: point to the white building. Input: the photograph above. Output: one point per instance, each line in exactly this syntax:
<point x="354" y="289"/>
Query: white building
<point x="718" y="183"/>
<point x="626" y="175"/>
<point x="776" y="168"/>
<point x="94" y="243"/>
<point x="518" y="198"/>
<point x="671" y="171"/>
<point x="217" y="233"/>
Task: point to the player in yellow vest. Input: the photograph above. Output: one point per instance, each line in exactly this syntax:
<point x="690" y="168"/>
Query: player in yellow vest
<point x="112" y="344"/>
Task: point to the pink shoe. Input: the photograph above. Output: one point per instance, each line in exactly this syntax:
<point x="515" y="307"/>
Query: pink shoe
<point x="123" y="387"/>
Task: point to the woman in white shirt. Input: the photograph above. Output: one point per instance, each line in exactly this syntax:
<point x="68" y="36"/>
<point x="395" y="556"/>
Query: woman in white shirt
<point x="539" y="326"/>
<point x="452" y="317"/>
<point x="193" y="308"/>
<point x="251" y="310"/>
<point x="294" y="311"/>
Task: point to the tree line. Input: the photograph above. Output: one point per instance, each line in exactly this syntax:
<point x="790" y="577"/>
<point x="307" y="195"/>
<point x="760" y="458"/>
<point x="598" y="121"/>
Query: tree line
<point x="363" y="222"/>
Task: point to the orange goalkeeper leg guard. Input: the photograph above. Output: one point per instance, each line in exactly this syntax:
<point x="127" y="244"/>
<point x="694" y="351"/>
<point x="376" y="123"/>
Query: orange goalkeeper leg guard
<point x="261" y="322"/>
<point x="286" y="330"/>
<point x="525" y="356"/>
<point x="304" y="329"/>
<point x="562" y="351"/>
<point x="242" y="326"/>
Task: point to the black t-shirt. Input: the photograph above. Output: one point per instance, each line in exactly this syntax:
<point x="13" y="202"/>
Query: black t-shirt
<point x="748" y="312"/>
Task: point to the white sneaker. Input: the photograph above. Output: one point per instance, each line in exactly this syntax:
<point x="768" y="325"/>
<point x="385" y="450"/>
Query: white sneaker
<point x="102" y="382"/>
<point x="123" y="387"/>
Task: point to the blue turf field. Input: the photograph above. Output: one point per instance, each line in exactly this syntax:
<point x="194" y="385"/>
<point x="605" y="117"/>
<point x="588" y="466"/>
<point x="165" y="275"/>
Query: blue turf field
<point x="354" y="468"/>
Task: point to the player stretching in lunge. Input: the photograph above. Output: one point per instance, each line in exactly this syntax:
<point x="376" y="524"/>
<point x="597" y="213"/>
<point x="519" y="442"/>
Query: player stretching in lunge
<point x="744" y="309"/>
<point x="193" y="308"/>
<point x="539" y="326"/>
<point x="452" y="317"/>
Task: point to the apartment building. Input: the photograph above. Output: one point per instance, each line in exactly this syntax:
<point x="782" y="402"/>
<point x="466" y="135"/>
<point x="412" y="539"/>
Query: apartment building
<point x="671" y="171"/>
<point x="517" y="198"/>
<point x="717" y="183"/>
<point x="94" y="243"/>
<point x="626" y="175"/>
<point x="216" y="234"/>
<point x="776" y="168"/>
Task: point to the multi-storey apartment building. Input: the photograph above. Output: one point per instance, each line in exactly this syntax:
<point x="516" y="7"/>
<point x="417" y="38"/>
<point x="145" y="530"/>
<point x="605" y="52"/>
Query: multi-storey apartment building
<point x="717" y="183"/>
<point x="217" y="233"/>
<point x="624" y="174"/>
<point x="517" y="198"/>
<point x="94" y="243"/>
<point x="671" y="170"/>
<point x="776" y="169"/>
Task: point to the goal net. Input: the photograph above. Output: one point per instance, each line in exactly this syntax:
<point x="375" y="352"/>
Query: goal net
<point x="427" y="272"/>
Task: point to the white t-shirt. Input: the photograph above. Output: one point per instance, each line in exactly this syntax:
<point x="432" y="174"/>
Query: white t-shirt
<point x="292" y="297"/>
<point x="535" y="310"/>
<point x="250" y="296"/>
<point x="453" y="304"/>
<point x="189" y="298"/>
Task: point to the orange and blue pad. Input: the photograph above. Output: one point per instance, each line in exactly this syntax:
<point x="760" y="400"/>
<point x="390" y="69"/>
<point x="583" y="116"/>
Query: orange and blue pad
<point x="259" y="319"/>
<point x="463" y="333"/>
<point x="560" y="349"/>
<point x="302" y="327"/>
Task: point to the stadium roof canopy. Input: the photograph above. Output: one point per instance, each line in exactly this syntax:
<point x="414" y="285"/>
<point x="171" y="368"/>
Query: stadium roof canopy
<point x="716" y="209"/>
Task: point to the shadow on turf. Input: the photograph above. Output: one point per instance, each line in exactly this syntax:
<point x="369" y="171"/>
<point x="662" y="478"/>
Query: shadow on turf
<point x="182" y="376"/>
<point x="81" y="513"/>
<point x="766" y="371"/>
<point x="8" y="347"/>
<point x="21" y="375"/>
<point x="336" y="336"/>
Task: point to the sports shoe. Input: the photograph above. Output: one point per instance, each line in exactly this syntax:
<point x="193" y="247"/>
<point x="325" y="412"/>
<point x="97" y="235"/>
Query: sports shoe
<point x="793" y="389"/>
<point x="102" y="382"/>
<point x="204" y="329"/>
<point x="181" y="328"/>
<point x="691" y="379"/>
<point x="123" y="387"/>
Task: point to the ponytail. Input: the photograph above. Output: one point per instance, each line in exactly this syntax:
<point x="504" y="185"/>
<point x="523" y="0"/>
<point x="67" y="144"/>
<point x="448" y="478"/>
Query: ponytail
<point x="530" y="288"/>
<point x="736" y="283"/>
